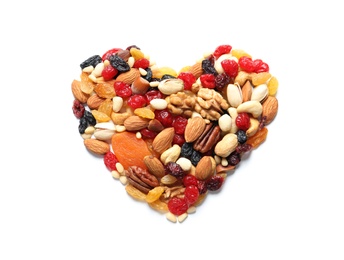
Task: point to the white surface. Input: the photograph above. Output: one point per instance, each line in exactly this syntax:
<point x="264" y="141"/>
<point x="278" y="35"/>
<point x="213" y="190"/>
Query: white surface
<point x="59" y="202"/>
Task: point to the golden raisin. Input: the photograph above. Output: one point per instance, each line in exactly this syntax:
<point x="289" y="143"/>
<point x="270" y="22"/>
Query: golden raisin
<point x="273" y="86"/>
<point x="144" y="112"/>
<point x="154" y="194"/>
<point x="135" y="193"/>
<point x="106" y="107"/>
<point x="100" y="116"/>
<point x="258" y="138"/>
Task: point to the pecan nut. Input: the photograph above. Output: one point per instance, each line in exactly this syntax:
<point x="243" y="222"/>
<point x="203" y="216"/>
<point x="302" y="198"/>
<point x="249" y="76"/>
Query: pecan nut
<point x="207" y="140"/>
<point x="141" y="179"/>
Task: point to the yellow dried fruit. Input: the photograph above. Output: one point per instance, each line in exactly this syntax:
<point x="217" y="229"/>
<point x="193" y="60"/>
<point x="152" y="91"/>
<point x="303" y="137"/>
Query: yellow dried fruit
<point x="159" y="205"/>
<point x="144" y="112"/>
<point x="106" y="107"/>
<point x="237" y="53"/>
<point x="258" y="137"/>
<point x="136" y="53"/>
<point x="100" y="116"/>
<point x="273" y="86"/>
<point x="260" y="78"/>
<point x="159" y="72"/>
<point x="105" y="90"/>
<point x="135" y="193"/>
<point x="154" y="194"/>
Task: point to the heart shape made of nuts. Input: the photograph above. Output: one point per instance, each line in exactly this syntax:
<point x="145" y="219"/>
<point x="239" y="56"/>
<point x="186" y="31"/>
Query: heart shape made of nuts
<point x="171" y="138"/>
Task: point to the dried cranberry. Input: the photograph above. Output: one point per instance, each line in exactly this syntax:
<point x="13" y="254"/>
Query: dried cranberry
<point x="191" y="194"/>
<point x="234" y="158"/>
<point x="230" y="67"/>
<point x="188" y="79"/>
<point x="189" y="179"/>
<point x="243" y="121"/>
<point x="202" y="187"/>
<point x="174" y="169"/>
<point x="137" y="101"/>
<point x="178" y="139"/>
<point x="177" y="206"/>
<point x="107" y="54"/>
<point x="109" y="73"/>
<point x="78" y="109"/>
<point x="214" y="182"/>
<point x="146" y="133"/>
<point x="222" y="49"/>
<point x="164" y="116"/>
<point x="122" y="89"/>
<point x="243" y="148"/>
<point x="260" y="66"/>
<point x="179" y="123"/>
<point x="208" y="81"/>
<point x="152" y="94"/>
<point x="141" y="63"/>
<point x="246" y="64"/>
<point x="110" y="161"/>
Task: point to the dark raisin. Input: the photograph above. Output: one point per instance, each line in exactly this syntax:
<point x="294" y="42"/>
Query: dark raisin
<point x="242" y="137"/>
<point x="195" y="157"/>
<point x="118" y="63"/>
<point x="214" y="183"/>
<point x="186" y="150"/>
<point x="208" y="67"/>
<point x="243" y="148"/>
<point x="234" y="158"/>
<point x="149" y="75"/>
<point x="174" y="169"/>
<point x="91" y="61"/>
<point x="82" y="125"/>
<point x="89" y="118"/>
<point x="167" y="76"/>
<point x="221" y="81"/>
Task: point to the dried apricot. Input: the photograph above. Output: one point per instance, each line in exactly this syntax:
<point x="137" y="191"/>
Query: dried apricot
<point x="129" y="150"/>
<point x="258" y="137"/>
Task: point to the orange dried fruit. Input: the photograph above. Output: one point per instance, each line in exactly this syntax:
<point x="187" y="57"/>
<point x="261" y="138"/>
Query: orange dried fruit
<point x="106" y="107"/>
<point x="129" y="150"/>
<point x="259" y="137"/>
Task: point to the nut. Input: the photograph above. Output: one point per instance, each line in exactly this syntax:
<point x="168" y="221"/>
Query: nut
<point x="171" y="86"/>
<point x="171" y="154"/>
<point x="205" y="168"/>
<point x="135" y="123"/>
<point x="94" y="101"/>
<point x="270" y="108"/>
<point x="234" y="95"/>
<point x="77" y="93"/>
<point x="97" y="146"/>
<point x="140" y="85"/>
<point x="227" y="145"/>
<point x="253" y="107"/>
<point x="154" y="166"/>
<point x="163" y="140"/>
<point x="129" y="76"/>
<point x="254" y="126"/>
<point x="155" y="125"/>
<point x="141" y="179"/>
<point x="196" y="69"/>
<point x="194" y="129"/>
<point x="260" y="93"/>
<point x="246" y="91"/>
<point x="210" y="136"/>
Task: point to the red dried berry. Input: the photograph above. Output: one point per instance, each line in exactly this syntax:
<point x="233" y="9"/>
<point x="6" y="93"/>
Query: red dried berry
<point x="208" y="81"/>
<point x="122" y="89"/>
<point x="188" y="79"/>
<point x="191" y="194"/>
<point x="230" y="67"/>
<point x="246" y="64"/>
<point x="179" y="123"/>
<point x="110" y="161"/>
<point x="141" y="63"/>
<point x="202" y="187"/>
<point x="177" y="206"/>
<point x="107" y="54"/>
<point x="152" y="94"/>
<point x="222" y="49"/>
<point x="146" y="133"/>
<point x="78" y="109"/>
<point x="190" y="179"/>
<point x="260" y="66"/>
<point x="164" y="117"/>
<point x="243" y="121"/>
<point x="109" y="72"/>
<point x="174" y="169"/>
<point x="137" y="101"/>
<point x="214" y="182"/>
<point x="178" y="139"/>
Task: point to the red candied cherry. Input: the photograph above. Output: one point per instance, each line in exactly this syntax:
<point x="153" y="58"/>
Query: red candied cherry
<point x="188" y="79"/>
<point x="122" y="89"/>
<point x="230" y="67"/>
<point x="178" y="139"/>
<point x="110" y="161"/>
<point x="214" y="182"/>
<point x="190" y="179"/>
<point x="191" y="194"/>
<point x="152" y="94"/>
<point x="222" y="49"/>
<point x="164" y="117"/>
<point x="260" y="66"/>
<point x="137" y="101"/>
<point x="141" y="63"/>
<point x="246" y="64"/>
<point x="177" y="206"/>
<point x="242" y="121"/>
<point x="110" y="52"/>
<point x="109" y="72"/>
<point x="179" y="123"/>
<point x="208" y="81"/>
<point x="146" y="133"/>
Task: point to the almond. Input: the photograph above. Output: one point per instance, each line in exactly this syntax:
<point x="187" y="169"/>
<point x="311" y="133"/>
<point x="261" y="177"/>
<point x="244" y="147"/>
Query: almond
<point x="155" y="125"/>
<point x="154" y="166"/>
<point x="94" y="101"/>
<point x="270" y="108"/>
<point x="97" y="146"/>
<point x="246" y="91"/>
<point x="163" y="140"/>
<point x="77" y="93"/>
<point x="205" y="168"/>
<point x="196" y="69"/>
<point x="129" y="76"/>
<point x="194" y="129"/>
<point x="135" y="123"/>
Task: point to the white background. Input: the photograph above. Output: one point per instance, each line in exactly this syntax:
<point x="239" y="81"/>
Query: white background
<point x="57" y="201"/>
